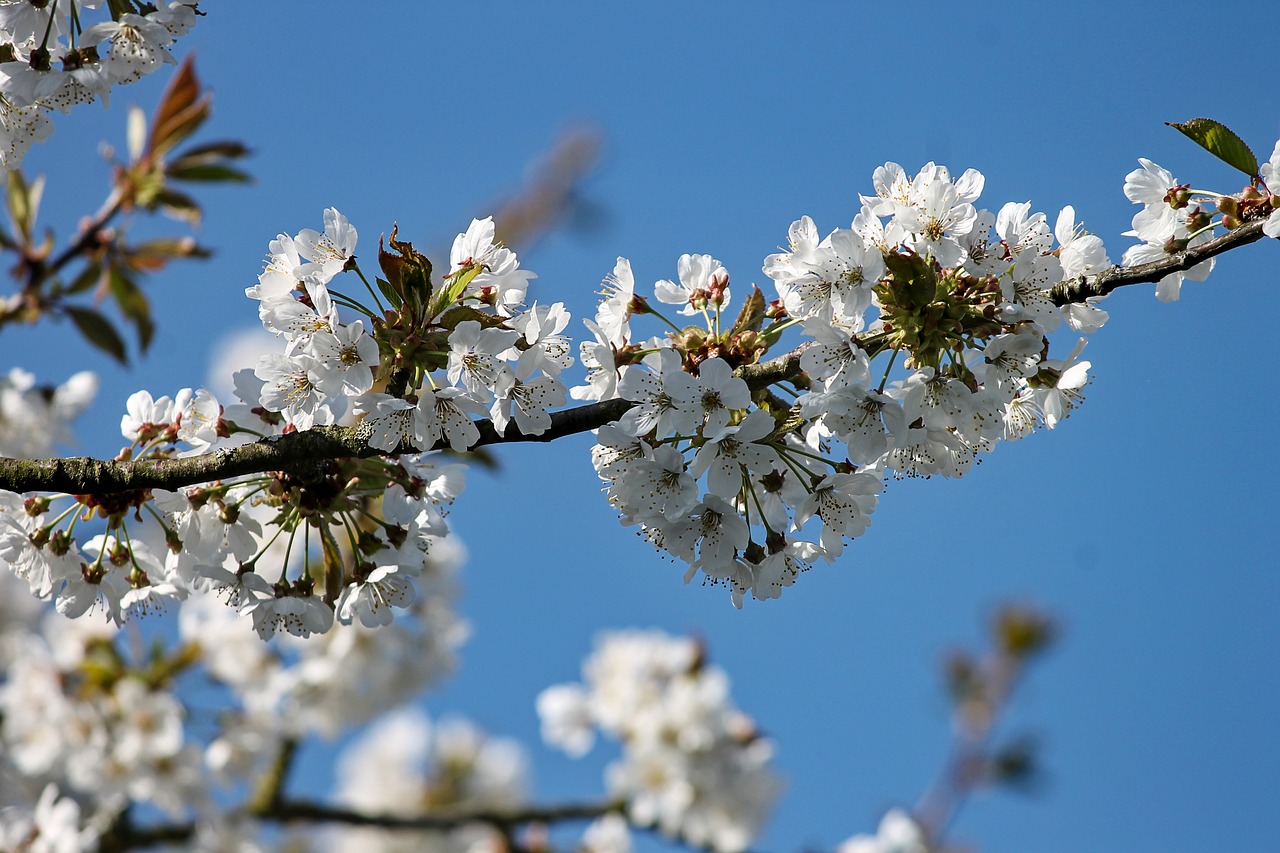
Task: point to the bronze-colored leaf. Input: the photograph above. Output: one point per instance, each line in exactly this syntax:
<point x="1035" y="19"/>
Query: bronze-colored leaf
<point x="182" y="110"/>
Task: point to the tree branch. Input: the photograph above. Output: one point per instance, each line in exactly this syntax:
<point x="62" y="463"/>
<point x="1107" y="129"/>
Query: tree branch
<point x="296" y="451"/>
<point x="299" y="451"/>
<point x="303" y="811"/>
<point x="1082" y="287"/>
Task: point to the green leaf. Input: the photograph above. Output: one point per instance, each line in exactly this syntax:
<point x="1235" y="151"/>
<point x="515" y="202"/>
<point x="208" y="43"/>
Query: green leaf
<point x="388" y="291"/>
<point x="207" y="172"/>
<point x="176" y="205"/>
<point x="212" y="152"/>
<point x="452" y="288"/>
<point x="1221" y="142"/>
<point x="19" y="203"/>
<point x="461" y="313"/>
<point x="88" y="277"/>
<point x="133" y="305"/>
<point x="98" y="331"/>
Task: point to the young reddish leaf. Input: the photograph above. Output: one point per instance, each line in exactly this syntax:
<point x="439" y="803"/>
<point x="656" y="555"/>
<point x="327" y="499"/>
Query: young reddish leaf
<point x="1221" y="142"/>
<point x="181" y="111"/>
<point x="154" y="255"/>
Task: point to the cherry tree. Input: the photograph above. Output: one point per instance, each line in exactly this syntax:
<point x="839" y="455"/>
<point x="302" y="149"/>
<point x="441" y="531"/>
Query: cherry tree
<point x="299" y="530"/>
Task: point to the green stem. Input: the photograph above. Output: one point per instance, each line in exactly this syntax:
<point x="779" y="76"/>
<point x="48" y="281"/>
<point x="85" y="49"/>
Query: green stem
<point x="372" y="292"/>
<point x="889" y="367"/>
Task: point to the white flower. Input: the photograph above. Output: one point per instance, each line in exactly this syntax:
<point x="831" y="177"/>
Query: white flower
<point x="1080" y="253"/>
<point x="57" y="825"/>
<point x="1023" y="231"/>
<point x="842" y="272"/>
<point x="898" y="833"/>
<point x="475" y="357"/>
<point x="541" y="326"/>
<point x="452" y="407"/>
<point x="732" y="451"/>
<point x="392" y="420"/>
<point x="145" y="417"/>
<point x="527" y="400"/>
<point x="197" y="418"/>
<point x="697" y="274"/>
<point x="1068" y="377"/>
<point x="297" y="615"/>
<point x="720" y="392"/>
<point x="332" y="249"/>
<point x="658" y="486"/>
<point x="283" y="272"/>
<point x="371" y="600"/>
<point x="835" y="359"/>
<point x="345" y="358"/>
<point x="607" y="834"/>
<point x="138" y="46"/>
<point x="34" y="418"/>
<point x="611" y="326"/>
<point x="666" y="397"/>
<point x="20" y="128"/>
<point x="844" y="502"/>
<point x="566" y="719"/>
<point x="1010" y="356"/>
<point x="501" y="283"/>
<point x="290" y="387"/>
<point x="797" y="262"/>
<point x="602" y="372"/>
<point x="937" y="222"/>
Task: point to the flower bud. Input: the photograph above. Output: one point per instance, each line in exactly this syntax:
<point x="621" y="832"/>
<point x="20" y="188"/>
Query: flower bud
<point x="1178" y="197"/>
<point x="1197" y="220"/>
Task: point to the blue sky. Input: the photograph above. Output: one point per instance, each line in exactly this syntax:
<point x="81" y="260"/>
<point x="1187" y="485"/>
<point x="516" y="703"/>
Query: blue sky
<point x="1144" y="524"/>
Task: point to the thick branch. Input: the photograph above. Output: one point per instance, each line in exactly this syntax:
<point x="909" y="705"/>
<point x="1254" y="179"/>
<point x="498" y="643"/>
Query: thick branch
<point x="298" y="451"/>
<point x="124" y="835"/>
<point x="302" y="811"/>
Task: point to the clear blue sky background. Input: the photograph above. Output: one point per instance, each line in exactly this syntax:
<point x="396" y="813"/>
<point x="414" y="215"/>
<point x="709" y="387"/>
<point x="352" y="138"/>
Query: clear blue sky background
<point x="1145" y="524"/>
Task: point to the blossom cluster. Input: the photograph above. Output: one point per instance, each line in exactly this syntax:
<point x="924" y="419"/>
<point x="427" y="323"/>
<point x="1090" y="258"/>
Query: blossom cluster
<point x="33" y="418"/>
<point x="340" y="540"/>
<point x="49" y="60"/>
<point x="404" y="763"/>
<point x="749" y="482"/>
<point x="692" y="765"/>
<point x="469" y="349"/>
<point x="90" y="726"/>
